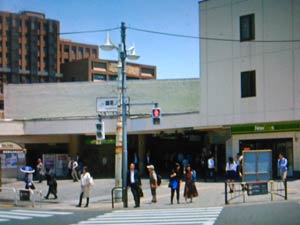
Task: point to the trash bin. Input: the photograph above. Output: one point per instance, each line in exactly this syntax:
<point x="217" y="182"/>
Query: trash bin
<point x="24" y="195"/>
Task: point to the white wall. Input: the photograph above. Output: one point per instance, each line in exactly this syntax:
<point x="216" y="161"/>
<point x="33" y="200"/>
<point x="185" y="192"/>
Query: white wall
<point x="276" y="64"/>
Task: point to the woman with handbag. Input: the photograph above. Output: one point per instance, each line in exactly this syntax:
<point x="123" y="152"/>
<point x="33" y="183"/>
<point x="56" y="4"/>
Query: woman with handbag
<point x="174" y="183"/>
<point x="190" y="190"/>
<point x="86" y="181"/>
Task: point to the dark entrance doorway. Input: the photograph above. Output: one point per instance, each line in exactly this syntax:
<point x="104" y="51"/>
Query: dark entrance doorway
<point x="192" y="148"/>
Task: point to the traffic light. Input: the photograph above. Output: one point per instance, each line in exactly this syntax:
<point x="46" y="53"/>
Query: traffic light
<point x="156" y="115"/>
<point x="100" y="131"/>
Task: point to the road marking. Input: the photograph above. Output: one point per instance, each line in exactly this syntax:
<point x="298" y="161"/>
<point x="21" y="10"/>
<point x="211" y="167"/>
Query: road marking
<point x="28" y="214"/>
<point x="178" y="216"/>
<point x="43" y="212"/>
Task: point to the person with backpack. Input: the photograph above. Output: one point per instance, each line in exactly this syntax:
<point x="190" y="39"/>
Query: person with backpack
<point x="153" y="182"/>
<point x="174" y="183"/>
<point x="190" y="190"/>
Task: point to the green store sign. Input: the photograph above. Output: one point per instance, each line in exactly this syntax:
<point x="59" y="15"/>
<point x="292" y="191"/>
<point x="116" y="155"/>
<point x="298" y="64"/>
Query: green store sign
<point x="265" y="128"/>
<point x="103" y="142"/>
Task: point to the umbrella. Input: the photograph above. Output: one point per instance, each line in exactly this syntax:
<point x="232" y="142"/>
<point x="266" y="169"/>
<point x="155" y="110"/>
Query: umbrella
<point x="27" y="169"/>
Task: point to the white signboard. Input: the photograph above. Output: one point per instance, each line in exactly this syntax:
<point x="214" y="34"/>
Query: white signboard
<point x="107" y="104"/>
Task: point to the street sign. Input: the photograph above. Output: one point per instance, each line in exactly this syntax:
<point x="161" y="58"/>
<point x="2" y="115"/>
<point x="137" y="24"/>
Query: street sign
<point x="110" y="105"/>
<point x="104" y="105"/>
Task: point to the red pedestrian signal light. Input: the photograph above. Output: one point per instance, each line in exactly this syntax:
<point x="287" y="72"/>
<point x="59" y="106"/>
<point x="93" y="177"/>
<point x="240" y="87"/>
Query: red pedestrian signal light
<point x="156" y="115"/>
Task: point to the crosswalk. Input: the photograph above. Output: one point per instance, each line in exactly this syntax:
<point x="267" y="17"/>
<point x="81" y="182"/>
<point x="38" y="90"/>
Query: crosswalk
<point x="182" y="216"/>
<point x="20" y="214"/>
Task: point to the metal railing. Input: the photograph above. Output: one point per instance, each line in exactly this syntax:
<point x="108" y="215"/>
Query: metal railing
<point x="243" y="189"/>
<point x="112" y="195"/>
<point x="33" y="194"/>
<point x="14" y="193"/>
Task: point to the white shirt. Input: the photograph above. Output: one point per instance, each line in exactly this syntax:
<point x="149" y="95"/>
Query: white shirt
<point x="85" y="179"/>
<point x="132" y="176"/>
<point x="75" y="165"/>
<point x="231" y="166"/>
<point x="211" y="164"/>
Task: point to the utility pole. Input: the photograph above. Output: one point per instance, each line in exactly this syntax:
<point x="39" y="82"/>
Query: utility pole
<point x="123" y="55"/>
<point x="121" y="152"/>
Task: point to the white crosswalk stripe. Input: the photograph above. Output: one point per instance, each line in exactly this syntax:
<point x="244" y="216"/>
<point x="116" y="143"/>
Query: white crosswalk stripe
<point x="182" y="216"/>
<point x="28" y="214"/>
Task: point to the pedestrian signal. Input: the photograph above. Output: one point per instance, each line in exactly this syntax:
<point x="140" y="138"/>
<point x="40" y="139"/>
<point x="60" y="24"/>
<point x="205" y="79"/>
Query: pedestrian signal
<point x="100" y="133"/>
<point x="156" y="115"/>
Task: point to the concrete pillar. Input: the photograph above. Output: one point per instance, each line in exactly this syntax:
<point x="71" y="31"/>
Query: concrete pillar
<point x="142" y="152"/>
<point x="74" y="145"/>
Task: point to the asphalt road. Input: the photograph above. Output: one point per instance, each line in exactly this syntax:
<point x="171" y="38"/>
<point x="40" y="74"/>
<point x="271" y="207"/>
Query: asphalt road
<point x="280" y="213"/>
<point x="28" y="216"/>
<point x="283" y="213"/>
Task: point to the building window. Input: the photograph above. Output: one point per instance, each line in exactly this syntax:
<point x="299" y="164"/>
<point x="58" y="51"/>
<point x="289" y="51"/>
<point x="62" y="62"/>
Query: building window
<point x="73" y="50"/>
<point x="247" y="28"/>
<point x="87" y="50"/>
<point x="248" y="84"/>
<point x="66" y="49"/>
<point x="80" y="51"/>
<point x="99" y="65"/>
<point x="148" y="71"/>
<point x="94" y="51"/>
<point x="97" y="77"/>
<point x="132" y="78"/>
<point x="113" y="77"/>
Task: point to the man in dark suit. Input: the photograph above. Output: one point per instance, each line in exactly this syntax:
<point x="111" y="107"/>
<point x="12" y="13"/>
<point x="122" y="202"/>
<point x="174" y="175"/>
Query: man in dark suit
<point x="134" y="182"/>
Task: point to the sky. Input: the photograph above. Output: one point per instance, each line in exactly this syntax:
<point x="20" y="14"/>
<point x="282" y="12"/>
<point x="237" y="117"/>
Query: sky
<point x="174" y="57"/>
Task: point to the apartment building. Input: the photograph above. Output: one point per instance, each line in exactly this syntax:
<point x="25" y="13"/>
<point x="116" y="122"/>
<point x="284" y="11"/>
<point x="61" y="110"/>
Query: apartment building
<point x="72" y="51"/>
<point x="93" y="69"/>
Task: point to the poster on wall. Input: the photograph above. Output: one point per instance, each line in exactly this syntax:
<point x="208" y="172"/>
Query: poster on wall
<point x="49" y="161"/>
<point x="61" y="164"/>
<point x="9" y="160"/>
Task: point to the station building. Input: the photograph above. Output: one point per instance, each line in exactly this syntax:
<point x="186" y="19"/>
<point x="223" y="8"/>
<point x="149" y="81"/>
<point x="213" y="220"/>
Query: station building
<point x="247" y="97"/>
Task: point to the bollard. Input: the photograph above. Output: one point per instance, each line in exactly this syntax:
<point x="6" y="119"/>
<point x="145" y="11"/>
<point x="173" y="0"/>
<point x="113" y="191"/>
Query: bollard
<point x="272" y="189"/>
<point x="244" y="191"/>
<point x="226" y="201"/>
<point x="285" y="189"/>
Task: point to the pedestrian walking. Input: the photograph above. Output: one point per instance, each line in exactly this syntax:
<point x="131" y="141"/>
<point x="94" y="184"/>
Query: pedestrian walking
<point x="282" y="166"/>
<point x="231" y="173"/>
<point x="52" y="184"/>
<point x="211" y="168"/>
<point x="134" y="182"/>
<point x="74" y="171"/>
<point x="153" y="182"/>
<point x="174" y="184"/>
<point x="86" y="181"/>
<point x="40" y="170"/>
<point x="190" y="190"/>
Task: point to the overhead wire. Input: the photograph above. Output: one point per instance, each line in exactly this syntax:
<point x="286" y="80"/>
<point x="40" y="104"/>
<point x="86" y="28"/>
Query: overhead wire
<point x="165" y="34"/>
<point x="202" y="38"/>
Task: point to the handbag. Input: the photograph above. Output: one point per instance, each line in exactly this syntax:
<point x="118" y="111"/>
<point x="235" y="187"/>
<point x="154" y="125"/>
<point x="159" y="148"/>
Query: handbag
<point x="174" y="184"/>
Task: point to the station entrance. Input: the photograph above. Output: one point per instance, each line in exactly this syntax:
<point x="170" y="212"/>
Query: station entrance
<point x="194" y="148"/>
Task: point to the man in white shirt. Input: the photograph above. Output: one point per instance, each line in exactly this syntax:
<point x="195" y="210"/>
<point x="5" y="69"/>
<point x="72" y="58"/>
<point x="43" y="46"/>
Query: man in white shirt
<point x="134" y="182"/>
<point x="74" y="171"/>
<point x="211" y="168"/>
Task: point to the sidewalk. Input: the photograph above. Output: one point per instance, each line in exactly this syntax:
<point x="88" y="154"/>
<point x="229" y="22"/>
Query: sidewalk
<point x="210" y="195"/>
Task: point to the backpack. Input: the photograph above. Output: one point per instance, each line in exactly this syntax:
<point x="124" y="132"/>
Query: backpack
<point x="158" y="180"/>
